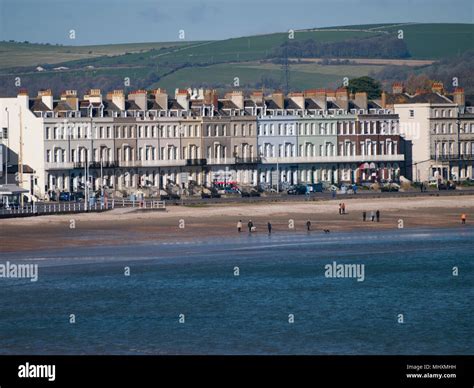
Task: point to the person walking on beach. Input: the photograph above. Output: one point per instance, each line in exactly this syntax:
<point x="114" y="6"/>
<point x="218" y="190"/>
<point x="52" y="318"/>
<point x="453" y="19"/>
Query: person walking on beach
<point x="463" y="218"/>
<point x="377" y="215"/>
<point x="250" y="226"/>
<point x="364" y="216"/>
<point x="343" y="208"/>
<point x="340" y="209"/>
<point x="239" y="226"/>
<point x="308" y="225"/>
<point x="269" y="226"/>
<point x="372" y="216"/>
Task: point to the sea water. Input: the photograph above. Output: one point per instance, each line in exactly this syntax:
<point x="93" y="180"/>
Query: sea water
<point x="247" y="294"/>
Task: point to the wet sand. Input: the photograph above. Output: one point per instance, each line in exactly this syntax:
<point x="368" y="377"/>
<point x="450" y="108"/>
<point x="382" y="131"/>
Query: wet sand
<point x="126" y="226"/>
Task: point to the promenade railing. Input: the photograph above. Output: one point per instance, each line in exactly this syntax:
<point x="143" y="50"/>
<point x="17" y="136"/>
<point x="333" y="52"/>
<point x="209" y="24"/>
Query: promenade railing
<point x="48" y="208"/>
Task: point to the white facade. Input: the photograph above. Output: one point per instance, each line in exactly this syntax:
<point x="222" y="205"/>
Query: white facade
<point x="14" y="111"/>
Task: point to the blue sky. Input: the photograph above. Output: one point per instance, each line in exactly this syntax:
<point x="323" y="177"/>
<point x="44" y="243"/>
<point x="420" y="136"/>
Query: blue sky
<point x="123" y="21"/>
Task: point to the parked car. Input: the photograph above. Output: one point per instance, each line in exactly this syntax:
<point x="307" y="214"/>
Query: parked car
<point x="64" y="196"/>
<point x="251" y="193"/>
<point x="390" y="187"/>
<point x="80" y="197"/>
<point x="212" y="194"/>
<point x="316" y="187"/>
<point x="71" y="197"/>
<point x="51" y="196"/>
<point x="297" y="190"/>
<point x="232" y="190"/>
<point x="447" y="186"/>
<point x="169" y="196"/>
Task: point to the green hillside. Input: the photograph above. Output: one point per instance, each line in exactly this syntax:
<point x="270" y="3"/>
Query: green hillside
<point x="32" y="54"/>
<point x="435" y="41"/>
<point x="216" y="63"/>
<point x="303" y="76"/>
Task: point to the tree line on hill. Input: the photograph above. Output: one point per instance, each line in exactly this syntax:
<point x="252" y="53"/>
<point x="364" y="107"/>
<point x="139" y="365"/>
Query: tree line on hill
<point x="452" y="71"/>
<point x="380" y="46"/>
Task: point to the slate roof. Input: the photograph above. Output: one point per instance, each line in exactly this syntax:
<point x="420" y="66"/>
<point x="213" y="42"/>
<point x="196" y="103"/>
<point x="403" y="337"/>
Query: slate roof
<point x="173" y="104"/>
<point x="271" y="104"/>
<point x="61" y="106"/>
<point x="290" y="104"/>
<point x="433" y="98"/>
<point x="110" y="106"/>
<point x="37" y="105"/>
<point x="227" y="104"/>
<point x="311" y="104"/>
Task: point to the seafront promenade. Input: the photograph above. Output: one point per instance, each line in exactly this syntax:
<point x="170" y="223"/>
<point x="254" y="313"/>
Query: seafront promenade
<point x="191" y="222"/>
<point x="57" y="208"/>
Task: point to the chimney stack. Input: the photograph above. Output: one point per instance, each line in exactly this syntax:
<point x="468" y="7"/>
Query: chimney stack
<point x="279" y="99"/>
<point x="70" y="96"/>
<point x="24" y="99"/>
<point x="459" y="97"/>
<point x="237" y="97"/>
<point x="94" y="96"/>
<point x="182" y="98"/>
<point x="437" y="87"/>
<point x="319" y="96"/>
<point x="384" y="99"/>
<point x="342" y="98"/>
<point x="257" y="96"/>
<point x="161" y="98"/>
<point x="298" y="99"/>
<point x="397" y="88"/>
<point x="210" y="97"/>
<point x="140" y="98"/>
<point x="360" y="100"/>
<point x="46" y="97"/>
<point x="118" y="98"/>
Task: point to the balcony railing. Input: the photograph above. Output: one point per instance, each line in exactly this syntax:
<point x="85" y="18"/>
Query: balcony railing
<point x="196" y="162"/>
<point x="130" y="163"/>
<point x="220" y="161"/>
<point x="334" y="159"/>
<point x="59" y="166"/>
<point x="96" y="164"/>
<point x="247" y="160"/>
<point x="452" y="157"/>
<point x="161" y="163"/>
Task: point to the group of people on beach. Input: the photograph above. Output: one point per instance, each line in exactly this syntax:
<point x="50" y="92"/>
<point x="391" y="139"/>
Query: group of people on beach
<point x="374" y="216"/>
<point x="252" y="228"/>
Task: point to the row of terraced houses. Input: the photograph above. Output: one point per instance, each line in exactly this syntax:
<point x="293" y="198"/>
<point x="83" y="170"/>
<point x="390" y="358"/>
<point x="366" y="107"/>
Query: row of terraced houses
<point x="151" y="139"/>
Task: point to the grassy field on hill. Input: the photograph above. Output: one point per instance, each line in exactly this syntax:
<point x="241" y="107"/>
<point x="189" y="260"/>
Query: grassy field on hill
<point x="303" y="76"/>
<point x="211" y="63"/>
<point x="27" y="54"/>
<point x="435" y="41"/>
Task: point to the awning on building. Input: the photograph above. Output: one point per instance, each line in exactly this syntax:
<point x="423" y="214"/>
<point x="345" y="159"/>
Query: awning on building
<point x="11" y="189"/>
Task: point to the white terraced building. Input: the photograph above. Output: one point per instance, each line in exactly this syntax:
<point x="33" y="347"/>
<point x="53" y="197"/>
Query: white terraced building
<point x="147" y="139"/>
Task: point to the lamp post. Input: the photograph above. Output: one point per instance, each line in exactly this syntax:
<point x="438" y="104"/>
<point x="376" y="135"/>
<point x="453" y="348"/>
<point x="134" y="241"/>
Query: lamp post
<point x="181" y="157"/>
<point x="101" y="175"/>
<point x="7" y="146"/>
<point x="86" y="180"/>
<point x="278" y="175"/>
<point x="458" y="122"/>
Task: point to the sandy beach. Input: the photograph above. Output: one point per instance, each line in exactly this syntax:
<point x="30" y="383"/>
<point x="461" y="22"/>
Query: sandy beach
<point x="126" y="226"/>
